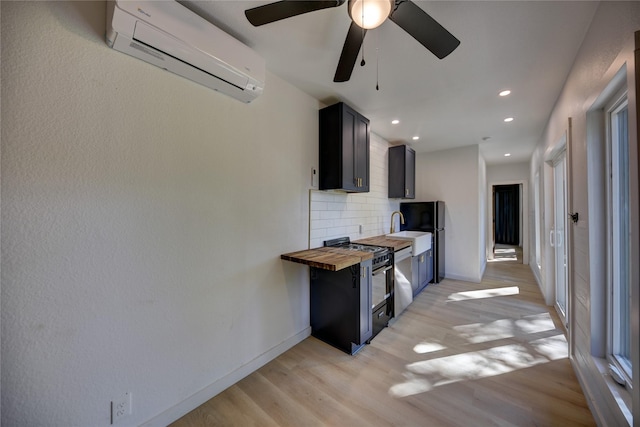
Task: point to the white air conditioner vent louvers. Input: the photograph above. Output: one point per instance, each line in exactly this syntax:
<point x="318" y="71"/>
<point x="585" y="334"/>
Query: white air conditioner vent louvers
<point x="170" y="36"/>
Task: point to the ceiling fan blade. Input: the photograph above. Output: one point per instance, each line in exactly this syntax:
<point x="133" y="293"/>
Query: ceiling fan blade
<point x="422" y="27"/>
<point x="349" y="54"/>
<point x="286" y="9"/>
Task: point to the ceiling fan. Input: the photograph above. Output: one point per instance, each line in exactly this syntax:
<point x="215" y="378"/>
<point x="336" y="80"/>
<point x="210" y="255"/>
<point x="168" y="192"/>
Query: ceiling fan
<point x="364" y="14"/>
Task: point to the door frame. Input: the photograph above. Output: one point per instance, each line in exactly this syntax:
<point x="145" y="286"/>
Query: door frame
<point x="564" y="144"/>
<point x="524" y="224"/>
<point x="518" y="218"/>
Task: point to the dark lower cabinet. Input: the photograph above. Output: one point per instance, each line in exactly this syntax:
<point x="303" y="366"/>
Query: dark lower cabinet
<point x="422" y="271"/>
<point x="344" y="149"/>
<point x="341" y="306"/>
<point x="429" y="262"/>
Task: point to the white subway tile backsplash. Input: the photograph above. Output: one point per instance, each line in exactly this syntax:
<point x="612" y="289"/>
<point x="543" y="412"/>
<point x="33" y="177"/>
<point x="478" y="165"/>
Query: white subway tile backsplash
<point x="318" y="206"/>
<point x="319" y="233"/>
<point x="336" y="214"/>
<point x="337" y="206"/>
<point x="323" y="224"/>
<point x="330" y="214"/>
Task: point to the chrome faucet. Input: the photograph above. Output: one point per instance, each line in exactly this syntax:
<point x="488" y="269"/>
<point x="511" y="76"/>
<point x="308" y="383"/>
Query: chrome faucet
<point x="393" y="228"/>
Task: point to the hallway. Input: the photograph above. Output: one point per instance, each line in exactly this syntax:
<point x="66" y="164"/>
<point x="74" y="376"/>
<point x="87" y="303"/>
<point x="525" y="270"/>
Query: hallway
<point x="508" y="253"/>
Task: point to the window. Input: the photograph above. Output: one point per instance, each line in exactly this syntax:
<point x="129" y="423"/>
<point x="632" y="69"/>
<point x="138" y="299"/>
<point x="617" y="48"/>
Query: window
<point x="537" y="206"/>
<point x="619" y="268"/>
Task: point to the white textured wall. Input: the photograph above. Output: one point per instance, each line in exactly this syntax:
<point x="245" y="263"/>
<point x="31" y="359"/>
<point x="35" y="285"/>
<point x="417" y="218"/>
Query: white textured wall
<point x="454" y="177"/>
<point x="142" y="221"/>
<point x="508" y="172"/>
<point x="338" y="214"/>
<point x="483" y="212"/>
<point x="607" y="45"/>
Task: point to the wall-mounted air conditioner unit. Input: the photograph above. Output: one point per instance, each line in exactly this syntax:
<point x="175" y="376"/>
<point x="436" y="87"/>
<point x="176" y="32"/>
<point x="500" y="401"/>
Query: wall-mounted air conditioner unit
<point x="170" y="36"/>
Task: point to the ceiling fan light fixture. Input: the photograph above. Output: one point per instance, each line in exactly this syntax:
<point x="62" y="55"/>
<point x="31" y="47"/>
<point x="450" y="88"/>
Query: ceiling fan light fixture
<point x="369" y="14"/>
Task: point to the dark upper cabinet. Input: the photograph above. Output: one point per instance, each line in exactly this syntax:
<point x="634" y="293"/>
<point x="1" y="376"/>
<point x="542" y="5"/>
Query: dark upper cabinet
<point x="344" y="149"/>
<point x="402" y="172"/>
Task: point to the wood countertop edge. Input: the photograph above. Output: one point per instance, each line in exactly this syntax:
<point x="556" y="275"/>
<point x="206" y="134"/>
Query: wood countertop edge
<point x="335" y="259"/>
<point x="389" y="242"/>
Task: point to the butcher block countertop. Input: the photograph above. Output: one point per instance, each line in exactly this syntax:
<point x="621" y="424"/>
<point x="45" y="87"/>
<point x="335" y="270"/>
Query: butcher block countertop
<point x="335" y="259"/>
<point x="387" y="242"/>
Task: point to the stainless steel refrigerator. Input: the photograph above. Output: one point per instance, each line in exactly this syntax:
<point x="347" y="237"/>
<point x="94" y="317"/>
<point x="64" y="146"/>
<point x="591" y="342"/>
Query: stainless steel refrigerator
<point x="428" y="216"/>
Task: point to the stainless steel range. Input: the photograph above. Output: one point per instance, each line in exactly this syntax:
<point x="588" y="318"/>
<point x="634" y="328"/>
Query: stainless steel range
<point x="382" y="280"/>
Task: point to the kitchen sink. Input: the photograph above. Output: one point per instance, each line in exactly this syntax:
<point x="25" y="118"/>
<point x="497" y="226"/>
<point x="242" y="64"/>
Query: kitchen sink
<point x="420" y="240"/>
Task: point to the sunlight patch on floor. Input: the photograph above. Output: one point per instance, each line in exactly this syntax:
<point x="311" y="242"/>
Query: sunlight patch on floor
<point x="428" y="347"/>
<point x="505" y="328"/>
<point x="504" y="251"/>
<point x="514" y="258"/>
<point x="505" y="254"/>
<point x="426" y="375"/>
<point x="484" y="293"/>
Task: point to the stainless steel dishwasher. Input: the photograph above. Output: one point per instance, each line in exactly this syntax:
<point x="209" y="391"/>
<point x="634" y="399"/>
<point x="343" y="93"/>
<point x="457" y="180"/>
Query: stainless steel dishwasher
<point x="403" y="289"/>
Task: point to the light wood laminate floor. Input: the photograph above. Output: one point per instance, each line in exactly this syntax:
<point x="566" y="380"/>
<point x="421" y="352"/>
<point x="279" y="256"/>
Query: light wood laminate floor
<point x="462" y="354"/>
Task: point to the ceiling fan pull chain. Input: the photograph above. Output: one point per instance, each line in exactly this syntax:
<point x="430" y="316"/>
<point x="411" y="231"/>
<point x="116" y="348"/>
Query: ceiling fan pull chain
<point x="377" y="61"/>
<point x="363" y="31"/>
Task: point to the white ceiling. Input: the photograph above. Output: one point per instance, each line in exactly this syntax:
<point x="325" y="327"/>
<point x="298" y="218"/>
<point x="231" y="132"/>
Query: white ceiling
<point x="525" y="46"/>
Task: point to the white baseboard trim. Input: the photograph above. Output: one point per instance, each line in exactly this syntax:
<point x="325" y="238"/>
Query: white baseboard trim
<point x="197" y="399"/>
<point x="483" y="268"/>
<point x="536" y="275"/>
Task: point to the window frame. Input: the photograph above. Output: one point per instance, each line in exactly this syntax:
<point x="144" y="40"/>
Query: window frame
<point x="537" y="219"/>
<point x="617" y="104"/>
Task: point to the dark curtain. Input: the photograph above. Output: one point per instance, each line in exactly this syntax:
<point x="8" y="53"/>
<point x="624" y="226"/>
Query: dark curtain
<point x="507" y="214"/>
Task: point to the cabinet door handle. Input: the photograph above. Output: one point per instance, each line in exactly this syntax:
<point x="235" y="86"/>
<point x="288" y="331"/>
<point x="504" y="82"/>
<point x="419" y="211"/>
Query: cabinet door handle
<point x="406" y="192"/>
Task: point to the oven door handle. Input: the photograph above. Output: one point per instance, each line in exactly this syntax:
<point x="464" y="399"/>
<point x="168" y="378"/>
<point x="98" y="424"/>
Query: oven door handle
<point x="382" y="270"/>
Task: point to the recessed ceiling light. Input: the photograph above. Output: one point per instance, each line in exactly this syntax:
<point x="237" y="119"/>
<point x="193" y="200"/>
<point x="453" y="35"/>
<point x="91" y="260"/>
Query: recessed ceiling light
<point x="504" y="93"/>
<point x="508" y="119"/>
<point x="415" y="138"/>
<point x="507" y="155"/>
<point x="395" y="121"/>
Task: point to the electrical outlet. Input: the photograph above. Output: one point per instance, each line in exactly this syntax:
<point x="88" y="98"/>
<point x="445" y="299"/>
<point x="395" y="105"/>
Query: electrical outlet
<point x="314" y="177"/>
<point x="120" y="408"/>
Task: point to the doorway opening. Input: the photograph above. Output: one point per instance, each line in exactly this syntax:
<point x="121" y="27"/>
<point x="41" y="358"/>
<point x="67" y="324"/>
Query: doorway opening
<point x="506" y="205"/>
<point x="506" y="218"/>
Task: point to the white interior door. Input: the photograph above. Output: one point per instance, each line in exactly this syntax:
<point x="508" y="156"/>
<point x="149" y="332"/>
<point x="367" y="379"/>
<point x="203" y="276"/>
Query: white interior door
<point x="559" y="234"/>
